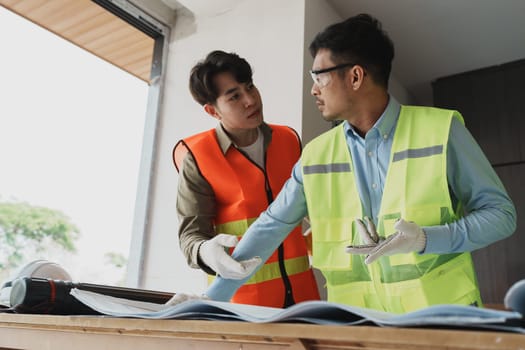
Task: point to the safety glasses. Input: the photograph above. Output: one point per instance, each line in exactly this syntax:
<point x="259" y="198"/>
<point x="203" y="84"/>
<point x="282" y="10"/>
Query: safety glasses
<point x="321" y="77"/>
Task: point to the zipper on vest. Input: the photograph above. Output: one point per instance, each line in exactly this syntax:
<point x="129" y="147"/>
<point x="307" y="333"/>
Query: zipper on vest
<point x="288" y="294"/>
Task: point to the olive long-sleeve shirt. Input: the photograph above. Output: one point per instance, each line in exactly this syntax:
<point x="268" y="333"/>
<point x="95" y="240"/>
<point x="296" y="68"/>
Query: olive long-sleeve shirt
<point x="196" y="205"/>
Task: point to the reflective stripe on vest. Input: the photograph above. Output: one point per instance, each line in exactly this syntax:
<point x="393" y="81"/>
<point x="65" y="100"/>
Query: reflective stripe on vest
<point x="242" y="191"/>
<point x="270" y="270"/>
<point x="415" y="189"/>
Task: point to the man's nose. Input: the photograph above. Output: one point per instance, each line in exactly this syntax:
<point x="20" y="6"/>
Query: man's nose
<point x="248" y="99"/>
<point x="314" y="91"/>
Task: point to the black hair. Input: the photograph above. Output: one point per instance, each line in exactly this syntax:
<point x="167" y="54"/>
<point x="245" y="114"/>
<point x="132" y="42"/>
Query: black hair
<point x="202" y="86"/>
<point x="358" y="40"/>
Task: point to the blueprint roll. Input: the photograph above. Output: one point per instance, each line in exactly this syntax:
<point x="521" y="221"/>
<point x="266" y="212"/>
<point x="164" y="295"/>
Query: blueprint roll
<point x="515" y="297"/>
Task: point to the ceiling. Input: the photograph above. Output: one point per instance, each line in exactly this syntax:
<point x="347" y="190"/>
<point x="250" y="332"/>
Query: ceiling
<point x="93" y="28"/>
<point x="432" y="38"/>
<point x="438" y="38"/>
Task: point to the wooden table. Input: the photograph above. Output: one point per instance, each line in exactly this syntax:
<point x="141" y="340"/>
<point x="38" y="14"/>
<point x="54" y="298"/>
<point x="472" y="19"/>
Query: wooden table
<point x="46" y="332"/>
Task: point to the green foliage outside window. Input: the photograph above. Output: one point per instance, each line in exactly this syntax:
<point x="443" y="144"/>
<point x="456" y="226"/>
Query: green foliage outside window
<point x="25" y="228"/>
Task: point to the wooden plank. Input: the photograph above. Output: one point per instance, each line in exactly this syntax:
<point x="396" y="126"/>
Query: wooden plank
<point x="250" y="335"/>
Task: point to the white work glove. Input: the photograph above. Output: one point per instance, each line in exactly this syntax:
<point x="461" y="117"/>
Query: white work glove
<point x="213" y="253"/>
<point x="367" y="231"/>
<point x="369" y="237"/>
<point x="408" y="238"/>
<point x="182" y="297"/>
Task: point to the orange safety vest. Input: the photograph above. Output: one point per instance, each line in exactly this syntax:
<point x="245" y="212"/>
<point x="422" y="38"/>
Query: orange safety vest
<point x="242" y="191"/>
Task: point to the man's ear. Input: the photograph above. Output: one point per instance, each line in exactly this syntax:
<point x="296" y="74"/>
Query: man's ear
<point x="357" y="75"/>
<point x="211" y="110"/>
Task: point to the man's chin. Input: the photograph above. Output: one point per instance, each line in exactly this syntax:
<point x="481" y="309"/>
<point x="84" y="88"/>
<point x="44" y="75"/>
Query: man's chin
<point x="329" y="117"/>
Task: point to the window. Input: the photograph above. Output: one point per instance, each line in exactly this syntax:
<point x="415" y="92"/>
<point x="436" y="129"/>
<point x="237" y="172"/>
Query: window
<point x="76" y="136"/>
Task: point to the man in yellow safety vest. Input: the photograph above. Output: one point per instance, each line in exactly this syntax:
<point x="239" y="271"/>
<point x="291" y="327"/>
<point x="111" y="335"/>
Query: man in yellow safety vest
<point x="397" y="195"/>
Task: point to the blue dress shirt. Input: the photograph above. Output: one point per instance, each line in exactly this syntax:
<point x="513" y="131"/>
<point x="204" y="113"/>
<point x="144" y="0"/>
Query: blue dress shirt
<point x="490" y="213"/>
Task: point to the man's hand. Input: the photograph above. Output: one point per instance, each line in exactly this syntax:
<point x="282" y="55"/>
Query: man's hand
<point x="367" y="232"/>
<point x="408" y="238"/>
<point x="182" y="297"/>
<point x="213" y="253"/>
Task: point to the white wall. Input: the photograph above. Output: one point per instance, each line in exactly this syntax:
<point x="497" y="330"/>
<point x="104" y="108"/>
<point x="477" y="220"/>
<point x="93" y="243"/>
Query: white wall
<point x="269" y="34"/>
<point x="273" y="35"/>
<point x="318" y="15"/>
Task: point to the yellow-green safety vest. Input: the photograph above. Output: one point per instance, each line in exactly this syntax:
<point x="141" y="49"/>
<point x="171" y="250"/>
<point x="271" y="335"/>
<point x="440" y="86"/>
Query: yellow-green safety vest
<point x="416" y="189"/>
